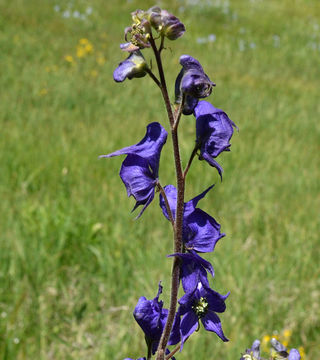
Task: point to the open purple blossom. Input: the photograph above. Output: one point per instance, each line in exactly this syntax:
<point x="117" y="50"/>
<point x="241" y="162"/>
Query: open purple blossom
<point x="200" y="231"/>
<point x="214" y="130"/>
<point x="134" y="66"/>
<point x="193" y="270"/>
<point x="152" y="317"/>
<point x="139" y="171"/>
<point x="201" y="304"/>
<point x="192" y="83"/>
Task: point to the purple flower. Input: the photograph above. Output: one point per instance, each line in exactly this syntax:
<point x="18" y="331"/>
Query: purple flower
<point x="294" y="355"/>
<point x="139" y="171"/>
<point x="152" y="317"/>
<point x="136" y="359"/>
<point x="193" y="270"/>
<point x="200" y="231"/>
<point x="214" y="130"/>
<point x="192" y="82"/>
<point x="280" y="349"/>
<point x="134" y="66"/>
<point x="254" y="351"/>
<point x="202" y="304"/>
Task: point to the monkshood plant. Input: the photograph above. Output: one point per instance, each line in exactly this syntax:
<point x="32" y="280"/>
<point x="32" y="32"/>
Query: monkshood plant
<point x="194" y="231"/>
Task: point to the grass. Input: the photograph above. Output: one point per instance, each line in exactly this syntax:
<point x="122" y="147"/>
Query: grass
<point x="73" y="263"/>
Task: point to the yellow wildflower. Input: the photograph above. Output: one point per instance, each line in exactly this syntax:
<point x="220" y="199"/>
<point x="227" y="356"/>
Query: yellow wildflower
<point x="69" y="59"/>
<point x="80" y="52"/>
<point x="302" y="352"/>
<point x="287" y="333"/>
<point x="88" y="48"/>
<point x="83" y="41"/>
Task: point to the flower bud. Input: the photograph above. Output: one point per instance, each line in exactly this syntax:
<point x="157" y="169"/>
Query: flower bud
<point x="165" y="23"/>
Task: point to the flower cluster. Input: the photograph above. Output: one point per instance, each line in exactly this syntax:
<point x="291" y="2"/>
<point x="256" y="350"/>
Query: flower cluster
<point x="277" y="351"/>
<point x="139" y="172"/>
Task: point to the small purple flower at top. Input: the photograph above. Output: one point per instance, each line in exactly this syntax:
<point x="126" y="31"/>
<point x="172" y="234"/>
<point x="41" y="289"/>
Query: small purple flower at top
<point x="193" y="270"/>
<point x="200" y="231"/>
<point x="134" y="66"/>
<point x="202" y="304"/>
<point x="139" y="171"/>
<point x="214" y="130"/>
<point x="192" y="82"/>
<point x="152" y="317"/>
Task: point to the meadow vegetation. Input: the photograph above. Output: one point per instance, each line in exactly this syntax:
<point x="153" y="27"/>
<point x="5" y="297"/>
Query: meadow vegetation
<point x="73" y="262"/>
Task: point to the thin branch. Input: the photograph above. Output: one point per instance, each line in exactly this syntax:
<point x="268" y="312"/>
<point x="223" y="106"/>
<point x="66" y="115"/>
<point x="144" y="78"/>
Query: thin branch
<point x="194" y="151"/>
<point x="178" y="113"/>
<point x="153" y="77"/>
<point x="161" y="47"/>
<point x="176" y="349"/>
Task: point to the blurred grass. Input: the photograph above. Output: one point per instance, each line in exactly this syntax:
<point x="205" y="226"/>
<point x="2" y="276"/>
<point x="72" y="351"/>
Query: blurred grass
<point x="73" y="263"/>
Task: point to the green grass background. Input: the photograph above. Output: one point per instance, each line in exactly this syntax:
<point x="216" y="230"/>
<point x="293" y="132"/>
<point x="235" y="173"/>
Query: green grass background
<point x="73" y="263"/>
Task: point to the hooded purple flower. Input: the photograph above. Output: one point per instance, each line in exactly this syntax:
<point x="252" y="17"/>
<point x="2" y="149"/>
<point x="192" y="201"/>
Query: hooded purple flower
<point x="193" y="270"/>
<point x="200" y="231"/>
<point x="133" y="67"/>
<point x="139" y="171"/>
<point x="202" y="304"/>
<point x="152" y="317"/>
<point x="192" y="82"/>
<point x="214" y="130"/>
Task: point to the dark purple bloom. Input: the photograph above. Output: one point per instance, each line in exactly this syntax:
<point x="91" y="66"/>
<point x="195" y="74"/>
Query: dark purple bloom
<point x="192" y="82"/>
<point x="253" y="351"/>
<point x="294" y="355"/>
<point x="152" y="317"/>
<point x="136" y="359"/>
<point x="201" y="232"/>
<point x="165" y="23"/>
<point x="134" y="66"/>
<point x="193" y="270"/>
<point x="214" y="130"/>
<point x="202" y="304"/>
<point x="139" y="171"/>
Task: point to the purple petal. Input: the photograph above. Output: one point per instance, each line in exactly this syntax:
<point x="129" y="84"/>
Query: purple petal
<point x="215" y="300"/>
<point x="191" y="204"/>
<point x="171" y="193"/>
<point x="134" y="66"/>
<point x="211" y="322"/>
<point x="139" y="181"/>
<point x="189" y="324"/>
<point x="149" y="147"/>
<point x="294" y="355"/>
<point x="193" y="270"/>
<point x="214" y="130"/>
<point x="201" y="231"/>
